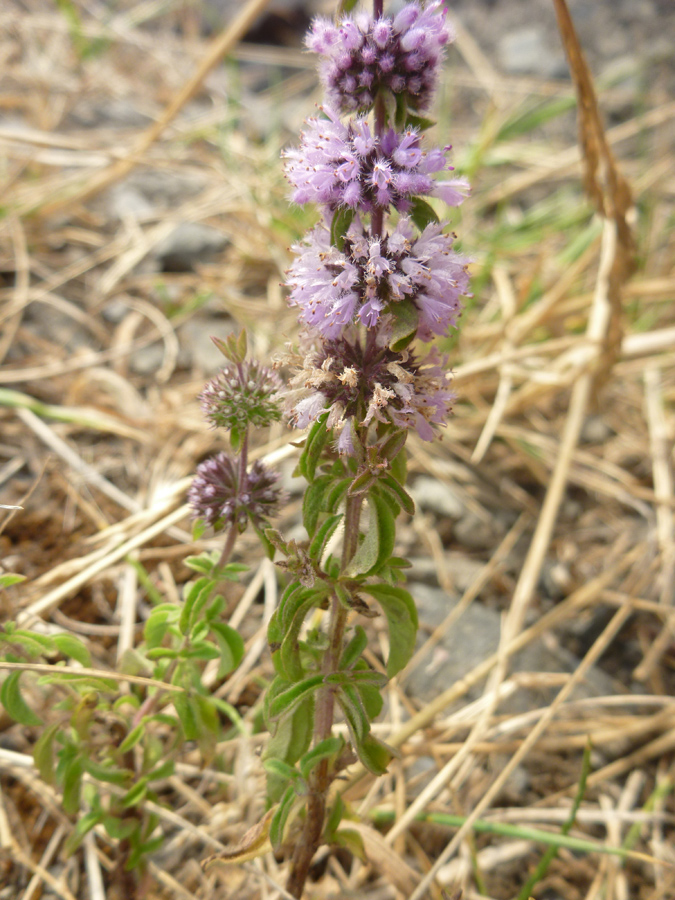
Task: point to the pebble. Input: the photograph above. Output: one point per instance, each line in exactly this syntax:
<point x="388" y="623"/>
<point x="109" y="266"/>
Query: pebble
<point x="189" y="244"/>
<point x="436" y="496"/>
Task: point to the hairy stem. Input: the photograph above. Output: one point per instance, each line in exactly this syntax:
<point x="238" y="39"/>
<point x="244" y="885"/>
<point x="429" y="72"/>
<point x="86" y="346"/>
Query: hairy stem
<point x="320" y="779"/>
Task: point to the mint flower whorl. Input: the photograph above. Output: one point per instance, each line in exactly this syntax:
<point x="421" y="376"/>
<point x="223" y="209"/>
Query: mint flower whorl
<point x="217" y="497"/>
<point x="334" y="288"/>
<point x="346" y="165"/>
<point x="358" y="388"/>
<point x="361" y="55"/>
<point x="242" y="393"/>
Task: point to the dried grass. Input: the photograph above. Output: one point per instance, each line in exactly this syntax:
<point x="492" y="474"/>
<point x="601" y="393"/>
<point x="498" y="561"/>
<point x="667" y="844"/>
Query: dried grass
<point x="549" y="339"/>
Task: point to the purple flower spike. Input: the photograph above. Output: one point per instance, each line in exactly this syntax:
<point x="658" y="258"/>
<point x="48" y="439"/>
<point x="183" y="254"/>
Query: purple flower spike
<point x="359" y="388"/>
<point x="401" y="54"/>
<point x="217" y="497"/>
<point x="345" y="165"/>
<point x="242" y="394"/>
<point x="334" y="288"/>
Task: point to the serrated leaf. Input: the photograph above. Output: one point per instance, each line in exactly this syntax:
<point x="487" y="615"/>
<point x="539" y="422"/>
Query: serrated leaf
<point x="230" y="645"/>
<point x="401" y="613"/>
<point x="72" y="647"/>
<point x="423" y="214"/>
<point x="339" y="226"/>
<point x="289" y="699"/>
<point x="15" y="705"/>
<point x="337" y="493"/>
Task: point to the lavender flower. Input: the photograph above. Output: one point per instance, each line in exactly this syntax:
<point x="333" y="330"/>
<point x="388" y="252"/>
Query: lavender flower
<point x="360" y="387"/>
<point x="334" y="288"/>
<point x="345" y="165"/>
<point x="241" y="394"/>
<point x="217" y="497"/>
<point x="362" y="55"/>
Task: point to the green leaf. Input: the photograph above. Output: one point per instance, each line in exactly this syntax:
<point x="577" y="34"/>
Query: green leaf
<point x="12" y="700"/>
<point x="342" y="219"/>
<point x="81" y="682"/>
<point x="198" y="529"/>
<point x="404" y="323"/>
<point x="282" y="769"/>
<point x="108" y="774"/>
<point x="423" y="214"/>
<point x="312" y="504"/>
<point x="280" y="817"/>
<point x="290" y="740"/>
<point x="289" y="655"/>
<point x="134" y="736"/>
<point x="35" y="644"/>
<point x="314" y="444"/>
<point x="72" y="784"/>
<point x="393" y="445"/>
<point x="351" y="840"/>
<point x="372" y="699"/>
<point x="201" y="650"/>
<point x="419" y="122"/>
<point x="399" y="609"/>
<point x="337" y="493"/>
<point x="186" y="714"/>
<point x="164" y="770"/>
<point x="196" y="598"/>
<point x="330" y="749"/>
<point x="399" y="493"/>
<point x="399" y="467"/>
<point x="43" y="754"/>
<point x="119" y="829"/>
<point x="290" y="698"/>
<point x="267" y="545"/>
<point x="357" y="677"/>
<point x="202" y="563"/>
<point x="82" y="827"/>
<point x="374" y="755"/>
<point x="9" y="579"/>
<point x="352" y="707"/>
<point x="136" y="794"/>
<point x="346" y="6"/>
<point x="354" y="648"/>
<point x="323" y="535"/>
<point x="72" y="647"/>
<point x="378" y="544"/>
<point x="230" y="645"/>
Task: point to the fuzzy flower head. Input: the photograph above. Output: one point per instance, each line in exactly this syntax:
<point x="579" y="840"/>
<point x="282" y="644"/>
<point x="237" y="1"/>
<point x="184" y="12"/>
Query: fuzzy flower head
<point x="361" y="55"/>
<point x="242" y="394"/>
<point x="217" y="497"/>
<point x="334" y="288"/>
<point x="346" y="165"/>
<point x="359" y="388"/>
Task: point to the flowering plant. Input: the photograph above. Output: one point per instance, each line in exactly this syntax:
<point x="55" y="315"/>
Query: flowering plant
<point x="377" y="273"/>
<point x="376" y="278"/>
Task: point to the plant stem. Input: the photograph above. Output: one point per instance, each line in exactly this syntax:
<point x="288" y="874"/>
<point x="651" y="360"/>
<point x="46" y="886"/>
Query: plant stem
<point x="320" y="779"/>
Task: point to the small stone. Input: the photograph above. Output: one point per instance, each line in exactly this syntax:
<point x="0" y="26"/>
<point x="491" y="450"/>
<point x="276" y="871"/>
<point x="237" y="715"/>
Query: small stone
<point x="474" y="533"/>
<point x="197" y="350"/>
<point x="595" y="430"/>
<point x="189" y="244"/>
<point x="147" y="360"/>
<point x="526" y="52"/>
<point x="436" y="496"/>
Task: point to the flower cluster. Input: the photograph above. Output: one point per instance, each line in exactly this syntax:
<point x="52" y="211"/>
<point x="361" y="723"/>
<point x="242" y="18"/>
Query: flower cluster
<point x="379" y="270"/>
<point x="242" y="393"/>
<point x="363" y="55"/>
<point x="358" y="388"/>
<point x="334" y="288"/>
<point x="341" y="164"/>
<point x="220" y="496"/>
